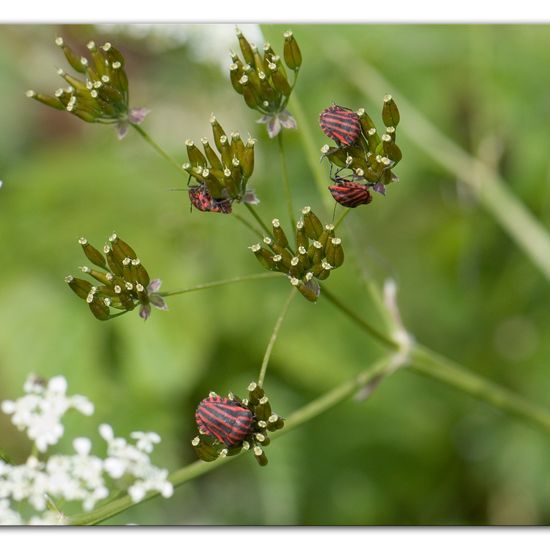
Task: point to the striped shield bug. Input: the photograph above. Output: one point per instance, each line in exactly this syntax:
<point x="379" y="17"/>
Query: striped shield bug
<point x="350" y="193"/>
<point x="202" y="200"/>
<point x="228" y="420"/>
<point x="340" y="124"/>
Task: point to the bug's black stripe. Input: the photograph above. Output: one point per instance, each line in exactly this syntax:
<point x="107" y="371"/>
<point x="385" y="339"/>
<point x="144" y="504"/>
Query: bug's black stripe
<point x="224" y="423"/>
<point x="235" y="410"/>
<point x="229" y="411"/>
<point x="342" y="117"/>
<point x="336" y="122"/>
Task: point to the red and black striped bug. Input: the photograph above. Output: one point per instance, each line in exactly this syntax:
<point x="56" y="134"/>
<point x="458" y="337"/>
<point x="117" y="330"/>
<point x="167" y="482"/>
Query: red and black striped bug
<point x="202" y="200"/>
<point x="350" y="193"/>
<point x="229" y="421"/>
<point x="340" y="124"/>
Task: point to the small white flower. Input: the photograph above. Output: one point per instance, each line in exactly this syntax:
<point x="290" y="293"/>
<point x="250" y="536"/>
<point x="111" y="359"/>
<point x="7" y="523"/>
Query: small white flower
<point x="145" y="440"/>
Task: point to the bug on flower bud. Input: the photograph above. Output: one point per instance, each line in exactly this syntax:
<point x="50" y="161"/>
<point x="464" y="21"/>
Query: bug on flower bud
<point x="350" y="193"/>
<point x="202" y="200"/>
<point x="229" y="421"/>
<point x="340" y="124"/>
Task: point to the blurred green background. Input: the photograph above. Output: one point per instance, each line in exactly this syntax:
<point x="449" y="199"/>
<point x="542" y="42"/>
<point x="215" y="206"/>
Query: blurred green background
<point x="416" y="452"/>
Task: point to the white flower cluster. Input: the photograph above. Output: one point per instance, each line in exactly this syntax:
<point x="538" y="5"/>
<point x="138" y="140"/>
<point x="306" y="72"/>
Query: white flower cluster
<point x="79" y="477"/>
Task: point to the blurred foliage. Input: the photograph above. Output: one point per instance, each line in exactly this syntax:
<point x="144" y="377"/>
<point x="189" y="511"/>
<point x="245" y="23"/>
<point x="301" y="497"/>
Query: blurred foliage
<point x="416" y="452"/>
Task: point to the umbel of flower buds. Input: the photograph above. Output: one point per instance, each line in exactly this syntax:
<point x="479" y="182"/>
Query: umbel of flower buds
<point x="121" y="282"/>
<point x="318" y="252"/>
<point x="229" y="425"/>
<point x="222" y="172"/>
<point x="101" y="94"/>
<point x="364" y="159"/>
<point x="262" y="80"/>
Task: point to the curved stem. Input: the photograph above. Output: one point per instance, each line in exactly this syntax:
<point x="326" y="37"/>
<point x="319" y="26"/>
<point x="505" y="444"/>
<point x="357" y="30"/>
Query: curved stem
<point x="156" y="146"/>
<point x="273" y="338"/>
<point x="258" y="219"/>
<point x="342" y="217"/>
<point x="223" y="282"/>
<point x="313" y="409"/>
<point x="286" y="184"/>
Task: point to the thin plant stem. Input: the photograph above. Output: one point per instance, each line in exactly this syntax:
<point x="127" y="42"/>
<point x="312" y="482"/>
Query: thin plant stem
<point x="342" y="217"/>
<point x="273" y="338"/>
<point x="258" y="219"/>
<point x="286" y="184"/>
<point x="248" y="224"/>
<point x="242" y="279"/>
<point x="157" y="147"/>
<point x="310" y="411"/>
<point x="489" y="188"/>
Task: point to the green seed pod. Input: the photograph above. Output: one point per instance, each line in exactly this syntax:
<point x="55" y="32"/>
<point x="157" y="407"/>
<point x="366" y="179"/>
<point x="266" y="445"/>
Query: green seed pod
<point x="390" y="112"/>
<point x="253" y="79"/>
<point x="258" y="59"/>
<point x="100" y="310"/>
<point x="98" y="60"/>
<point x="262" y="411"/>
<point x="217" y="132"/>
<point x="92" y="253"/>
<point x="303" y="257"/>
<point x="391" y="150"/>
<point x="315" y="253"/>
<point x="195" y="156"/>
<point x="214" y="186"/>
<point x="264" y="257"/>
<point x="100" y="276"/>
<point x="269" y="54"/>
<point x="280" y="83"/>
<point x="225" y="150"/>
<point x="251" y="98"/>
<point x="301" y="237"/>
<point x="79" y="64"/>
<point x="279" y="234"/>
<point x="80" y="287"/>
<point x="246" y="48"/>
<point x="286" y="256"/>
<point x="365" y="120"/>
<point x="114" y="262"/>
<point x="390" y="130"/>
<point x="46" y="100"/>
<point x="291" y="52"/>
<point x="336" y="155"/>
<point x="335" y="252"/>
<point x="204" y="449"/>
<point x="312" y="224"/>
<point x="139" y="273"/>
<point x="259" y="455"/>
<point x="255" y="393"/>
<point x="275" y="422"/>
<point x="373" y="139"/>
<point x="328" y="233"/>
<point x="247" y="158"/>
<point x="213" y="159"/>
<point x="304" y="289"/>
<point x="237" y="146"/>
<point x="121" y="248"/>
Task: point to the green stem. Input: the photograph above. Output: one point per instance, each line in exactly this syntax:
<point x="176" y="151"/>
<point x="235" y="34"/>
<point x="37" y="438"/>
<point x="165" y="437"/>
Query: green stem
<point x="197" y="469"/>
<point x="248" y="224"/>
<point x="342" y="218"/>
<point x="490" y="189"/>
<point x="273" y="338"/>
<point x="157" y="147"/>
<point x="258" y="219"/>
<point x="286" y="184"/>
<point x="223" y="282"/>
<point x="312" y="152"/>
<point x="362" y="323"/>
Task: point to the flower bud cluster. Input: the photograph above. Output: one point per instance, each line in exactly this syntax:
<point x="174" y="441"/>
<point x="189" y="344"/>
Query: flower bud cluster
<point x="122" y="281"/>
<point x="221" y="177"/>
<point x="262" y="80"/>
<point x="318" y="252"/>
<point x="371" y="158"/>
<point x="101" y="95"/>
<point x="262" y="422"/>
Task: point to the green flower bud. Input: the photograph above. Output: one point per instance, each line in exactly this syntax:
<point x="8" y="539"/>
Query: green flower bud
<point x="213" y="159"/>
<point x="280" y="83"/>
<point x="79" y="64"/>
<point x="264" y="257"/>
<point x="279" y="234"/>
<point x="235" y="75"/>
<point x="301" y="237"/>
<point x="247" y="158"/>
<point x="334" y="252"/>
<point x="259" y="455"/>
<point x="80" y="287"/>
<point x="204" y="449"/>
<point x="390" y="112"/>
<point x="195" y="156"/>
<point x="93" y="254"/>
<point x="250" y="97"/>
<point x="391" y="150"/>
<point x="100" y="310"/>
<point x="312" y="224"/>
<point x="46" y="100"/>
<point x="217" y="132"/>
<point x="246" y="48"/>
<point x="291" y="53"/>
